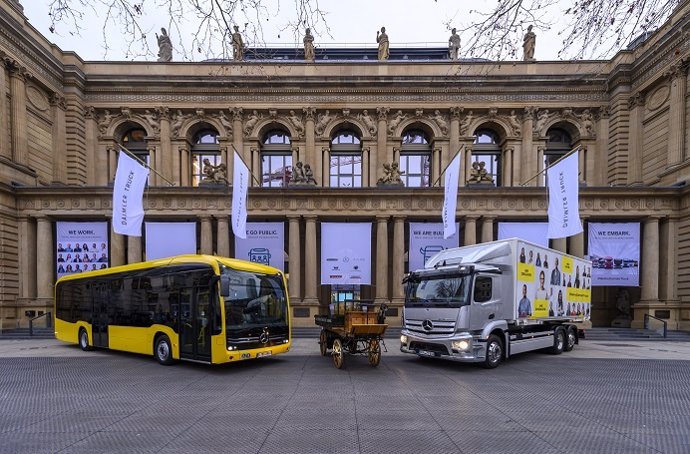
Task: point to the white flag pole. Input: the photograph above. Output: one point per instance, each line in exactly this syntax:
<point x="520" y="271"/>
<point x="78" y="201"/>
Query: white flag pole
<point x="240" y="188"/>
<point x="128" y="195"/>
<point x="450" y="199"/>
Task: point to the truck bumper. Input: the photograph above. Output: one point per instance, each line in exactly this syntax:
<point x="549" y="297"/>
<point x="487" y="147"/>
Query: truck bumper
<point x="462" y="347"/>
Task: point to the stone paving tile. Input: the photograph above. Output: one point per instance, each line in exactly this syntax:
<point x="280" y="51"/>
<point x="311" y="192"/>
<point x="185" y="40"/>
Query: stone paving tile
<point x="38" y="443"/>
<point x="404" y="442"/>
<point x="230" y="440"/>
<point x="332" y="441"/>
<point x="589" y="442"/>
<point x="120" y="442"/>
<point x="475" y="442"/>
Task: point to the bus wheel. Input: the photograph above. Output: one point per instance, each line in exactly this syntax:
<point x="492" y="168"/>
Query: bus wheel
<point x="494" y="352"/>
<point x="163" y="350"/>
<point x="84" y="340"/>
<point x="570" y="339"/>
<point x="558" y="341"/>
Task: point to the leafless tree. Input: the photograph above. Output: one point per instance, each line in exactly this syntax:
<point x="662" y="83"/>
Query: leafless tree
<point x="588" y="28"/>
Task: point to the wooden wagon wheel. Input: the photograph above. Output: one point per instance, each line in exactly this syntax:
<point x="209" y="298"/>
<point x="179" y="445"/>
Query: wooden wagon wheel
<point x="338" y="354"/>
<point x="323" y="342"/>
<point x="374" y="352"/>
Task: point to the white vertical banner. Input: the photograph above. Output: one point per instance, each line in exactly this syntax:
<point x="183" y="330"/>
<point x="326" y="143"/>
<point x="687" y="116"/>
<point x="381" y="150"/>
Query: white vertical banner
<point x="166" y="239"/>
<point x="128" y="195"/>
<point x="426" y="240"/>
<point x="614" y="249"/>
<point x="450" y="197"/>
<point x="534" y="232"/>
<point x="81" y="246"/>
<point x="346" y="253"/>
<point x="264" y="243"/>
<point x="240" y="188"/>
<point x="564" y="194"/>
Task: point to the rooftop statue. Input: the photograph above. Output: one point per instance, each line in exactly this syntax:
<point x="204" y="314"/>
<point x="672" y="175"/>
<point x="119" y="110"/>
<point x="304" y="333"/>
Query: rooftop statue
<point x="453" y="45"/>
<point x="309" y="46"/>
<point x="528" y="44"/>
<point x="164" y="46"/>
<point x="382" y="39"/>
<point x="237" y="45"/>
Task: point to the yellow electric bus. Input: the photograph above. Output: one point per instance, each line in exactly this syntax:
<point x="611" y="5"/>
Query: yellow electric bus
<point x="198" y="308"/>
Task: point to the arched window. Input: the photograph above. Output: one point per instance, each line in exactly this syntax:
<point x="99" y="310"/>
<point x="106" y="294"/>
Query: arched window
<point x="346" y="160"/>
<point x="415" y="159"/>
<point x="276" y="159"/>
<point x="558" y="143"/>
<point x="204" y="146"/>
<point x="135" y="141"/>
<point x="486" y="149"/>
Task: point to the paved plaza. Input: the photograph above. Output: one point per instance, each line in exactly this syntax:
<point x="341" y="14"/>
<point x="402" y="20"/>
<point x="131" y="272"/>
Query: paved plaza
<point x="631" y="397"/>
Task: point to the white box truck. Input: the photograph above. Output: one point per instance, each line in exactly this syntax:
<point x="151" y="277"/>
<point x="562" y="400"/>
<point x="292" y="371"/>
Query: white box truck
<point x="486" y="302"/>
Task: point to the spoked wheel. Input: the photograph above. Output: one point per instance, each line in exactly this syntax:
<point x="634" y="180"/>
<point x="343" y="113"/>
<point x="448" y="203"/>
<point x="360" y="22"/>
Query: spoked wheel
<point x="374" y="352"/>
<point x="323" y="342"/>
<point x="338" y="354"/>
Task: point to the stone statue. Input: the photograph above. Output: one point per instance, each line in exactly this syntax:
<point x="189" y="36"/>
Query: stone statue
<point x="466" y="122"/>
<point x="528" y="44"/>
<point x="164" y="46"/>
<point x="302" y="174"/>
<point x="237" y="45"/>
<point x="309" y="46"/>
<point x="309" y="174"/>
<point x="297" y="123"/>
<point x="514" y="123"/>
<point x="214" y="174"/>
<point x="453" y="45"/>
<point x="369" y="122"/>
<point x="391" y="175"/>
<point x="382" y="39"/>
<point x="587" y="122"/>
<point x="399" y="117"/>
<point x="324" y="119"/>
<point x="542" y="118"/>
<point x="440" y="121"/>
<point x="624" y="316"/>
<point x="253" y="119"/>
<point x="478" y="174"/>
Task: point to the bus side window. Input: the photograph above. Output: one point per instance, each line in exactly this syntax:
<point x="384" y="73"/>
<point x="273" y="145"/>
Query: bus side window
<point x="482" y="289"/>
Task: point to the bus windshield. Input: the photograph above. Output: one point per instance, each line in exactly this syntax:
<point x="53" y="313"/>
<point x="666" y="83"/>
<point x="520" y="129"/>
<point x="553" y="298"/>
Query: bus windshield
<point x="438" y="291"/>
<point x="256" y="301"/>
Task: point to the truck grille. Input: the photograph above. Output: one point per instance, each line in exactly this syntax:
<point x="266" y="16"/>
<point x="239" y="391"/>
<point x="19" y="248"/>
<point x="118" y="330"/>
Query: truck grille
<point x="424" y="346"/>
<point x="437" y="326"/>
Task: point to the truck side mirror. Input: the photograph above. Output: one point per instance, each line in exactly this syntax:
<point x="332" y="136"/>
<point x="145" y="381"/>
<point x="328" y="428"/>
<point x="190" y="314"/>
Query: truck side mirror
<point x="224" y="286"/>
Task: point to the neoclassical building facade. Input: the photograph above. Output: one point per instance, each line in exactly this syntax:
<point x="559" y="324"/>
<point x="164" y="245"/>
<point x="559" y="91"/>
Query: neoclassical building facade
<point x="63" y="119"/>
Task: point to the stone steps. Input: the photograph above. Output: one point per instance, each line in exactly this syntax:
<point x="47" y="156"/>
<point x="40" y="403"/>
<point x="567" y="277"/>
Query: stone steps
<point x="23" y="333"/>
<point x="631" y="334"/>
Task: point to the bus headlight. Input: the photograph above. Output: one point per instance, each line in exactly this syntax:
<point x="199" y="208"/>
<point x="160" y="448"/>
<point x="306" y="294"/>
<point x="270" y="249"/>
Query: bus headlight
<point x="461" y="345"/>
<point x="403" y="340"/>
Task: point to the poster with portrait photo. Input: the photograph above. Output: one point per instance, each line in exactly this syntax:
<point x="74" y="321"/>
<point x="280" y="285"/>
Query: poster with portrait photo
<point x="81" y="247"/>
<point x="614" y="249"/>
<point x="426" y="240"/>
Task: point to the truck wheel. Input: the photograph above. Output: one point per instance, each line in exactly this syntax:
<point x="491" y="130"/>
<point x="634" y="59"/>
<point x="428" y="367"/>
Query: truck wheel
<point x="558" y="341"/>
<point x="570" y="339"/>
<point x="84" y="340"/>
<point x="494" y="352"/>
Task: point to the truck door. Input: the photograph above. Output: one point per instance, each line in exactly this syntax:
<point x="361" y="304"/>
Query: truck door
<point x="484" y="301"/>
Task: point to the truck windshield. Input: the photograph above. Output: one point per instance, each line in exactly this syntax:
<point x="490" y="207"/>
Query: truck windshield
<point x="438" y="292"/>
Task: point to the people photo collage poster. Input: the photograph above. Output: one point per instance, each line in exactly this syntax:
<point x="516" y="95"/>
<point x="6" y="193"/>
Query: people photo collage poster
<point x="426" y="240"/>
<point x="552" y="284"/>
<point x="614" y="249"/>
<point x="265" y="244"/>
<point x="81" y="246"/>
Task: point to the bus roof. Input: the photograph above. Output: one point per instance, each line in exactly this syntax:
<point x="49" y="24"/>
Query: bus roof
<point x="211" y="260"/>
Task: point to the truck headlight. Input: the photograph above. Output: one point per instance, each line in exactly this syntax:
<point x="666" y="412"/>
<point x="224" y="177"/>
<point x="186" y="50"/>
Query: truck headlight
<point x="403" y="340"/>
<point x="461" y="345"/>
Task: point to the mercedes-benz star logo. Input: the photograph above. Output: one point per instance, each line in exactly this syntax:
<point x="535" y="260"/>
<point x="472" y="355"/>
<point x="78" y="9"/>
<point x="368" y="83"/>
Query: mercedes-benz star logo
<point x="263" y="338"/>
<point x="427" y="325"/>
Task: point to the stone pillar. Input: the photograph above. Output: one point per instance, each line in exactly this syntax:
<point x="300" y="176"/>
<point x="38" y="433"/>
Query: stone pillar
<point x="470" y="230"/>
<point x="133" y="249"/>
<point x="185" y="170"/>
<point x="366" y="170"/>
<point x="600" y="175"/>
<point x="465" y="173"/>
<point x="28" y="254"/>
<point x="488" y="229"/>
<point x="516" y="178"/>
<point x="649" y="272"/>
<point x="166" y="154"/>
<point x="541" y="179"/>
<point x="381" y="258"/>
<point x="112" y="163"/>
<point x="295" y="250"/>
<point x="117" y="249"/>
<point x="237" y="137"/>
<point x="676" y="116"/>
<point x="206" y="246"/>
<point x="59" y="133"/>
<point x="20" y="128"/>
<point x="636" y="105"/>
<point x="310" y="142"/>
<point x="44" y="266"/>
<point x="155" y="163"/>
<point x="560" y="244"/>
<point x="507" y="168"/>
<point x="310" y="258"/>
<point x="223" y="240"/>
<point x="398" y="256"/>
<point x="454" y="134"/>
<point x="527" y="156"/>
<point x="5" y="146"/>
<point x="577" y="243"/>
<point x="325" y="167"/>
<point x="381" y="154"/>
<point x="668" y="268"/>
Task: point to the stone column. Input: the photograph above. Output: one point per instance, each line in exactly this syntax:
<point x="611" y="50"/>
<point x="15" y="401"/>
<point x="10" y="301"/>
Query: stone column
<point x="28" y="254"/>
<point x="155" y="163"/>
<point x="20" y="127"/>
<point x="44" y="266"/>
<point x="366" y="170"/>
<point x="166" y="154"/>
<point x="668" y="268"/>
<point x="541" y="179"/>
<point x="5" y="146"/>
<point x="600" y="174"/>
<point x="517" y="157"/>
<point x="325" y="167"/>
<point x="295" y="250"/>
<point x="381" y="258"/>
<point x="529" y="162"/>
<point x="310" y="142"/>
<point x="470" y="230"/>
<point x="676" y="116"/>
<point x="398" y="256"/>
<point x="117" y="249"/>
<point x="488" y="229"/>
<point x="223" y="240"/>
<point x="310" y="258"/>
<point x="454" y="134"/>
<point x="237" y="137"/>
<point x="206" y="246"/>
<point x="112" y="163"/>
<point x="59" y="133"/>
<point x="636" y="105"/>
<point x="381" y="145"/>
<point x="577" y="243"/>
<point x="650" y="261"/>
<point x="185" y="172"/>
<point x="133" y="249"/>
<point x="560" y="244"/>
<point x="465" y="173"/>
<point x="507" y="167"/>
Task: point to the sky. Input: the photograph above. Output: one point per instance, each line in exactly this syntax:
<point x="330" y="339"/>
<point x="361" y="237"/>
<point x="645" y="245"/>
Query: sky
<point x="351" y="22"/>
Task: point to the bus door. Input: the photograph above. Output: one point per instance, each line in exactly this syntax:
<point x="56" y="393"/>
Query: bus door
<point x="99" y="326"/>
<point x="195" y="329"/>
